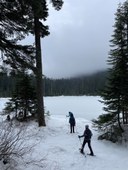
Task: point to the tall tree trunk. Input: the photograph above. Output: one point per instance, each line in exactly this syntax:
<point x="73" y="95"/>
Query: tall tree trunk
<point x="118" y="113"/>
<point x="39" y="78"/>
<point x="123" y="115"/>
<point x="126" y="113"/>
<point x="119" y="122"/>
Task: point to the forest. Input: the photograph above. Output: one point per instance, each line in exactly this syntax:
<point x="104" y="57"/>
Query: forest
<point x="82" y="85"/>
<point x="27" y="90"/>
<point x="25" y="84"/>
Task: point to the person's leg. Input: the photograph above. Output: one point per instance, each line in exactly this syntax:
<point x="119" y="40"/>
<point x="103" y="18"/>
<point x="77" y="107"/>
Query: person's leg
<point x="89" y="145"/>
<point x="73" y="129"/>
<point x="70" y="128"/>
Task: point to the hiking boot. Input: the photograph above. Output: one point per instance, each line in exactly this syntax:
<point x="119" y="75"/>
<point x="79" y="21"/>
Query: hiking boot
<point x="91" y="154"/>
<point x="81" y="150"/>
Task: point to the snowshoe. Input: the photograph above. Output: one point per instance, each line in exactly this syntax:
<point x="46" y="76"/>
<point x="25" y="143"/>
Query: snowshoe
<point x="81" y="151"/>
<point x="90" y="154"/>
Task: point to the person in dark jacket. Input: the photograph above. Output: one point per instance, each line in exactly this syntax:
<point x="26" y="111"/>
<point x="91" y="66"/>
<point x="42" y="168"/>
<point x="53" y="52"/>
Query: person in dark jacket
<point x="72" y="122"/>
<point x="87" y="139"/>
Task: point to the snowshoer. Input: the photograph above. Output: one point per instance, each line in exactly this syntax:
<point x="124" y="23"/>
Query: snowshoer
<point x="87" y="139"/>
<point x="72" y="122"/>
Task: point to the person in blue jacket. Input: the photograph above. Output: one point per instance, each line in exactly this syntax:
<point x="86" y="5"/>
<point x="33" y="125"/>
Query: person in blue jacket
<point x="72" y="122"/>
<point x="87" y="139"/>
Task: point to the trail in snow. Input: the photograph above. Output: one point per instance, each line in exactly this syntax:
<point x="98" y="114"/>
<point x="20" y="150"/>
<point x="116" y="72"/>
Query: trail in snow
<point x="62" y="148"/>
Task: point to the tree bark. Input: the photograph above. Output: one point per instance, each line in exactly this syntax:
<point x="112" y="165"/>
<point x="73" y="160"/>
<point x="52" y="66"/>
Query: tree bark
<point x="39" y="78"/>
<point x="118" y="113"/>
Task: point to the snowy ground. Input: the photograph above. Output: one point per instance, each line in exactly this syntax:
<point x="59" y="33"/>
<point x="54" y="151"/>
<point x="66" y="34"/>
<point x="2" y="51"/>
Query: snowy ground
<point x="60" y="149"/>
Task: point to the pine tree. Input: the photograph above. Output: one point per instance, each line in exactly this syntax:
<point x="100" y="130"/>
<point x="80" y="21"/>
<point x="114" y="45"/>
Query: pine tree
<point x="15" y="27"/>
<point x="24" y="97"/>
<point x="40" y="12"/>
<point x="115" y="95"/>
<point x="30" y="14"/>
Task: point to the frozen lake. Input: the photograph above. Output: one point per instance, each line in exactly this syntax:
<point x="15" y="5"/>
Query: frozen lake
<point x="87" y="107"/>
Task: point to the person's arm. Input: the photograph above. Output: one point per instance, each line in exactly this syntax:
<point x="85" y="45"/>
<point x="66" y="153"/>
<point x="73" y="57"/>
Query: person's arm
<point x="80" y="136"/>
<point x="69" y="120"/>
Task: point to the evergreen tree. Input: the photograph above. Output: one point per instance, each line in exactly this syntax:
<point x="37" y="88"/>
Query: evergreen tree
<point x="115" y="95"/>
<point x="40" y="12"/>
<point x="24" y="97"/>
<point x="28" y="20"/>
<point x="14" y="26"/>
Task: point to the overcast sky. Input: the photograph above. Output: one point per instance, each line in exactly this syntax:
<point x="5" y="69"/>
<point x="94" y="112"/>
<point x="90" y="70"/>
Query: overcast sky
<point x="79" y="37"/>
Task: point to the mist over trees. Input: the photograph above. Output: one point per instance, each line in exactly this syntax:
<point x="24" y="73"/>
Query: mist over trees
<point x="82" y="85"/>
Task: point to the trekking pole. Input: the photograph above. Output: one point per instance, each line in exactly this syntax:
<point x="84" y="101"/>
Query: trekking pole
<point x="67" y="123"/>
<point x="76" y="129"/>
<point x="80" y="144"/>
<point x="80" y="141"/>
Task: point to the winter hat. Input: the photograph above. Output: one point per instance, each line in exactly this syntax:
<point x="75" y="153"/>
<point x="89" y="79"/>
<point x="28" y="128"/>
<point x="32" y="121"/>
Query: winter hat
<point x="70" y="114"/>
<point x="87" y="126"/>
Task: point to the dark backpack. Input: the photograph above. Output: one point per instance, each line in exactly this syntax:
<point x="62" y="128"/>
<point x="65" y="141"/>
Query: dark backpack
<point x="72" y="120"/>
<point x="88" y="134"/>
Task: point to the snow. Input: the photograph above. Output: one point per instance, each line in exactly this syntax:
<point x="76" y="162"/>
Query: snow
<point x="60" y="149"/>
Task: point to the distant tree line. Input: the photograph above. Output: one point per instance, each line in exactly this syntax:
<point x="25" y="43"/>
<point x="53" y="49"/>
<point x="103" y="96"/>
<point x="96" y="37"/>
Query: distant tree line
<point x="82" y="85"/>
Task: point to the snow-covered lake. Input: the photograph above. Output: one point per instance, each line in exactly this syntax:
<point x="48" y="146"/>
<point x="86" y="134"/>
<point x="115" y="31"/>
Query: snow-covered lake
<point x="60" y="148"/>
<point x="87" y="107"/>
